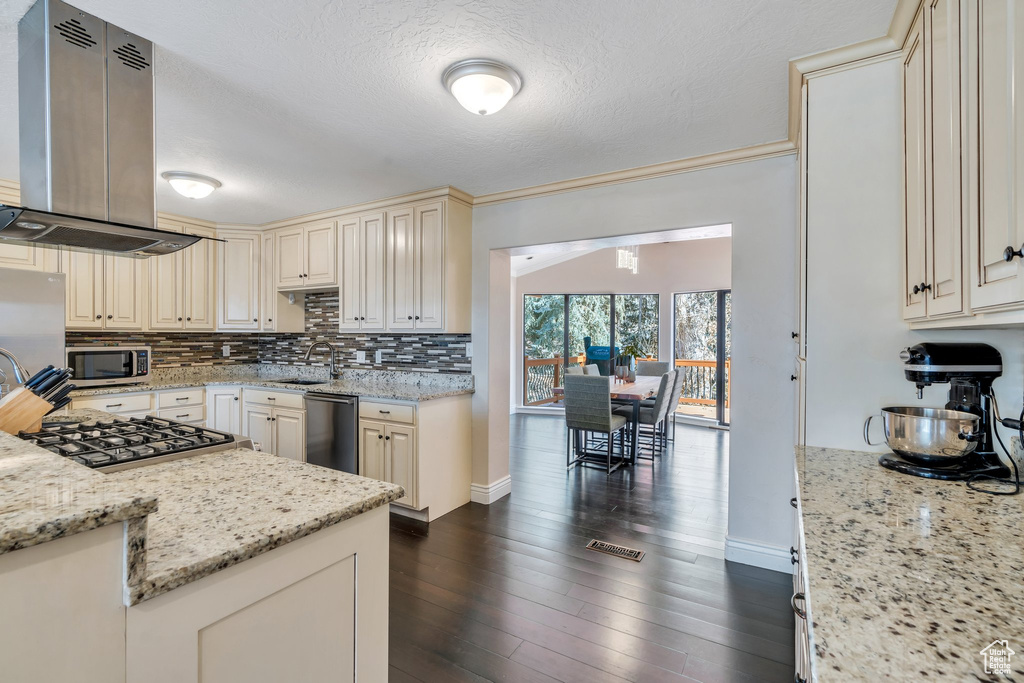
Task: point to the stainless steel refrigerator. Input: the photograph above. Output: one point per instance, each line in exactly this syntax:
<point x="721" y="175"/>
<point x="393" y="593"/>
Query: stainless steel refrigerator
<point x="31" y="319"/>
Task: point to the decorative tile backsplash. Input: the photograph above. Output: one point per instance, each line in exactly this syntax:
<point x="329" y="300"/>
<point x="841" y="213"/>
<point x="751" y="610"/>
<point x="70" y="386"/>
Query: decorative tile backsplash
<point x="179" y="349"/>
<point x="409" y="352"/>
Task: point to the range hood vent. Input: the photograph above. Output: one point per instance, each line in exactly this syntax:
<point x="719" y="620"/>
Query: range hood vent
<point x="88" y="158"/>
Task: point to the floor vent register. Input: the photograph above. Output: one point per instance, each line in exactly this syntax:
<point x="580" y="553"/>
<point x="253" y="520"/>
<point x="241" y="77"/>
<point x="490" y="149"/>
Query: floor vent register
<point x="616" y="550"/>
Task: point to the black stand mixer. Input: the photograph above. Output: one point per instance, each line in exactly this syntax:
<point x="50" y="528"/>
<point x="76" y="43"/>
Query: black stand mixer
<point x="969" y="369"/>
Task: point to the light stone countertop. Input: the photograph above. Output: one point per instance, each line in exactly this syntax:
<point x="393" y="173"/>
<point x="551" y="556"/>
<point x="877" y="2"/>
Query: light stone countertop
<point x="184" y="519"/>
<point x="907" y="578"/>
<point x="371" y="384"/>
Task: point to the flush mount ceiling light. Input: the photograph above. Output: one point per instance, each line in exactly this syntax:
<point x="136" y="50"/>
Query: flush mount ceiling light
<point x="482" y="86"/>
<point x="191" y="185"/>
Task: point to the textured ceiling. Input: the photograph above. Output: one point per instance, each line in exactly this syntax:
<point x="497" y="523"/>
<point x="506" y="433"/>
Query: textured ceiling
<point x="313" y="104"/>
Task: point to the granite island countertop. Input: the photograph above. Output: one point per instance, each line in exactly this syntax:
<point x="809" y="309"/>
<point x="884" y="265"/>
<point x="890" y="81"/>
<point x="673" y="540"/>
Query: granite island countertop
<point x="907" y="578"/>
<point x="184" y="519"/>
<point x="402" y="386"/>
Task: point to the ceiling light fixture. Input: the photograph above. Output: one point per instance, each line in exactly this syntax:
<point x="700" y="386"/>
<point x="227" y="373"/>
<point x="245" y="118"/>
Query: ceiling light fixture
<point x="482" y="86"/>
<point x="628" y="258"/>
<point x="191" y="185"/>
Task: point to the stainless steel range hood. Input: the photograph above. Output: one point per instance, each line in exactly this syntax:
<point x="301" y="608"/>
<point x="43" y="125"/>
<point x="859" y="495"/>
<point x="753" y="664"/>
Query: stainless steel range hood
<point x="88" y="170"/>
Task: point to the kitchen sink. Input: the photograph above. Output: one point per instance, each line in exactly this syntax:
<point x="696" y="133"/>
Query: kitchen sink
<point x="303" y="382"/>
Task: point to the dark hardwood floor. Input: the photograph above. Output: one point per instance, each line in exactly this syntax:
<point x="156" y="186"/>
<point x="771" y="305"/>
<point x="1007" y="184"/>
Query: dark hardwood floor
<point x="507" y="592"/>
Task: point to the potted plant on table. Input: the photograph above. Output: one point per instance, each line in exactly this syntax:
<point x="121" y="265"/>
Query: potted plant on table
<point x="630" y="353"/>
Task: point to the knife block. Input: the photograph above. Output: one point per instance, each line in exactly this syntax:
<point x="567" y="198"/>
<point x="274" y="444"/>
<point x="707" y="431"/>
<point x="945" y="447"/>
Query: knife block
<point x="22" y="411"/>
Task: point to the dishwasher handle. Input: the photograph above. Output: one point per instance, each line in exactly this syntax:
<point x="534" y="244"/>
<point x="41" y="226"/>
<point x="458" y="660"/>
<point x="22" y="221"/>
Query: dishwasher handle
<point x="344" y="400"/>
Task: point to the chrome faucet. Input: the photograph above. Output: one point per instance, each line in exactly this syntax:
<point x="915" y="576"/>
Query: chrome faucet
<point x="20" y="373"/>
<point x="335" y="373"/>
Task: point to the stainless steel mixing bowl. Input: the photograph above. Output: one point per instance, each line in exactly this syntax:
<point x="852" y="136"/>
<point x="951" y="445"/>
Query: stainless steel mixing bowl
<point x="927" y="435"/>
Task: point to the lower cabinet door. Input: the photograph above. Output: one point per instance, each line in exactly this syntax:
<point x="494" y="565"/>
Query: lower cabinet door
<point x="371" y="450"/>
<point x="401" y="461"/>
<point x="224" y="410"/>
<point x="290" y="433"/>
<point x="256" y="420"/>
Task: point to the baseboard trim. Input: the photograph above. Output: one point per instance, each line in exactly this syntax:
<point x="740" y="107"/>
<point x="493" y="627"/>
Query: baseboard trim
<point x="489" y="493"/>
<point x="758" y="555"/>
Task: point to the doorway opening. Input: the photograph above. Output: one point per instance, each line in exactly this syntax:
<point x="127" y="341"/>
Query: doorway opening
<point x="702" y="348"/>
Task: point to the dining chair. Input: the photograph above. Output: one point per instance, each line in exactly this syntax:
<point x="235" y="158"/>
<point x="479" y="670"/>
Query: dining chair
<point x="653" y="416"/>
<point x="651" y="368"/>
<point x="574" y="370"/>
<point x="588" y="410"/>
<point x="592" y="369"/>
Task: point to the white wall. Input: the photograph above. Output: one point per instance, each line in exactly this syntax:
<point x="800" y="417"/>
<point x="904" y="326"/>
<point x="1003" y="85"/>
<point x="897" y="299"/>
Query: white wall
<point x="855" y="328"/>
<point x="687" y="266"/>
<point x="759" y="199"/>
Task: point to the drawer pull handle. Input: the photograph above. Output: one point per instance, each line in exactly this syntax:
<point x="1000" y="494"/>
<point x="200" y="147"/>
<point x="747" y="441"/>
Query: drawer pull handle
<point x="115" y="405"/>
<point x="271" y="398"/>
<point x="384" y="412"/>
<point x="792" y="501"/>
<point x="185" y="415"/>
<point x="796" y="610"/>
<point x="181" y="398"/>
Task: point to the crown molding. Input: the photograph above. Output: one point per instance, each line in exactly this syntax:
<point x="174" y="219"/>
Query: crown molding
<point x="178" y="218"/>
<point x="734" y="156"/>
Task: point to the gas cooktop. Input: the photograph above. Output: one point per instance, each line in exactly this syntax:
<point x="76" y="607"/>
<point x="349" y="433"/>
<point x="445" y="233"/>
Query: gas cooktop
<point x="119" y="444"/>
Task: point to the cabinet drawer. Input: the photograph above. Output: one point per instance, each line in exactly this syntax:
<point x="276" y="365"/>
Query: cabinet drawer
<point x="276" y="399"/>
<point x="117" y="403"/>
<point x="392" y="412"/>
<point x="189" y="414"/>
<point x="179" y="397"/>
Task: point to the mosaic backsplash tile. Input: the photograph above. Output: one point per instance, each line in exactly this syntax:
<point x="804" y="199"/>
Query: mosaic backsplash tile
<point x="409" y="352"/>
<point x="402" y="352"/>
<point x="179" y="349"/>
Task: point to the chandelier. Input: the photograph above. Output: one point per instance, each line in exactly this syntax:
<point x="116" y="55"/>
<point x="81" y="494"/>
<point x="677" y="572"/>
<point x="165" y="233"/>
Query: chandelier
<point x="628" y="258"/>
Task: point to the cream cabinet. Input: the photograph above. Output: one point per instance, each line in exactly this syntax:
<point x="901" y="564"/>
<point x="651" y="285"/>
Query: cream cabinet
<point x="224" y="409"/>
<point x="428" y="267"/>
<point x="306" y="256"/>
<point x="934" y="220"/>
<point x="182" y="284"/>
<point x="361" y="256"/>
<point x="278" y="312"/>
<point x="997" y="163"/>
<point x="103" y="292"/>
<point x="424" y="447"/>
<point x="29" y="258"/>
<point x="238" y="280"/>
<point x="276" y="421"/>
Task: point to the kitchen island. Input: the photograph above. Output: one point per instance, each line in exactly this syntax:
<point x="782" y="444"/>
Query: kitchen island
<point x="232" y="564"/>
<point x="905" y="578"/>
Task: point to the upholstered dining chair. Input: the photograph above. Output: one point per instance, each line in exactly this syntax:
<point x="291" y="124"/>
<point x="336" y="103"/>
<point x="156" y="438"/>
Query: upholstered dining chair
<point x="574" y="370"/>
<point x="588" y="410"/>
<point x="653" y="415"/>
<point x="651" y="368"/>
<point x="592" y="369"/>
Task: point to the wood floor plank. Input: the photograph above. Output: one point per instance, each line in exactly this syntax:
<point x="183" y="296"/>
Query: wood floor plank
<point x="508" y="592"/>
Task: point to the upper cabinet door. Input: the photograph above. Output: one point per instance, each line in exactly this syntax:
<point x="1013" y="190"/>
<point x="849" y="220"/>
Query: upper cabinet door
<point x="915" y="216"/>
<point x="84" y="286"/>
<point x="199" y="281"/>
<point x="944" y="237"/>
<point x="372" y="267"/>
<point x="350" y="287"/>
<point x="124" y="292"/>
<point x="320" y="254"/>
<point x="239" y="282"/>
<point x="429" y="220"/>
<point x="401" y="268"/>
<point x="166" y="308"/>
<point x="997" y="65"/>
<point x="29" y="258"/>
<point x="268" y="286"/>
<point x="289" y="261"/>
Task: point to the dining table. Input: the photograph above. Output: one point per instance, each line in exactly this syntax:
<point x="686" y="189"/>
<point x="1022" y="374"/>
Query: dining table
<point x="630" y="393"/>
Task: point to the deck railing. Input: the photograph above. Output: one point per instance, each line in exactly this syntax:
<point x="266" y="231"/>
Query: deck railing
<point x="542" y="375"/>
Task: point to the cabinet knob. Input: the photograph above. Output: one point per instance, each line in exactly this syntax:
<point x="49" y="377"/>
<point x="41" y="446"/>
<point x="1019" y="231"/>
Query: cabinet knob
<point x="362" y="318"/>
<point x="380" y="436"/>
<point x="188" y="319"/>
<point x="417" y="317"/>
<point x="110" y="316"/>
<point x="1010" y="253"/>
<point x="255" y="320"/>
<point x="387" y="438"/>
<point x="270" y="320"/>
<point x="410" y="317"/>
<point x="793" y="378"/>
<point x="179" y="319"/>
<point x="794" y="555"/>
<point x="273" y="419"/>
<point x="99" y="317"/>
<point x="235" y="397"/>
<point x="921" y="288"/>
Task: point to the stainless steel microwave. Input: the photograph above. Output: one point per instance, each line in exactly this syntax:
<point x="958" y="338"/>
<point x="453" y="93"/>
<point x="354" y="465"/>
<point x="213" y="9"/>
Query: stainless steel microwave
<point x="93" y="366"/>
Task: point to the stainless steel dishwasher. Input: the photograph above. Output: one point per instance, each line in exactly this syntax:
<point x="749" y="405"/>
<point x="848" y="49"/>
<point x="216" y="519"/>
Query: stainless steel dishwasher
<point x="332" y="431"/>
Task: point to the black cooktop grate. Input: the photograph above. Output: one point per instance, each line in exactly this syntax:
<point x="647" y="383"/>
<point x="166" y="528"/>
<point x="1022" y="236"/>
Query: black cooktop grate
<point x="114" y="442"/>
